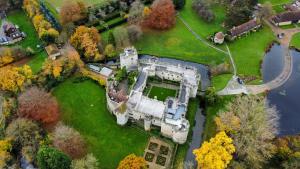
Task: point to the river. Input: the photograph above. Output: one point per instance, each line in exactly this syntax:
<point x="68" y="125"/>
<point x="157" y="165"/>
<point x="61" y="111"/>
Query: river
<point x="286" y="97"/>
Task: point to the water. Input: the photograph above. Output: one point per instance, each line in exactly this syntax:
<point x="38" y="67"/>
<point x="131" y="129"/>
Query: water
<point x="286" y="97"/>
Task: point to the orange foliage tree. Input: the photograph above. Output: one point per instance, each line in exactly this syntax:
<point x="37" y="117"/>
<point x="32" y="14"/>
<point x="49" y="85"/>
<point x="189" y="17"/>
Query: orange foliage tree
<point x="162" y="15"/>
<point x="86" y="40"/>
<point x="133" y="162"/>
<point x="38" y="105"/>
<point x="72" y="11"/>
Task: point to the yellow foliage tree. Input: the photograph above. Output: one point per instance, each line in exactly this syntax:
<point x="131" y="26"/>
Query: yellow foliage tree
<point x="13" y="78"/>
<point x="86" y="39"/>
<point x="146" y="11"/>
<point x="133" y="162"/>
<point x="5" y="147"/>
<point x="215" y="154"/>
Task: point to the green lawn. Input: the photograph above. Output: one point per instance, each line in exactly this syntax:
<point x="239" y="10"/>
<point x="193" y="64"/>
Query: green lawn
<point x="248" y="51"/>
<point x="275" y="2"/>
<point x="220" y="81"/>
<point x="296" y="41"/>
<point x="37" y="61"/>
<point x="20" y="18"/>
<point x="31" y="40"/>
<point x="161" y="93"/>
<point x="83" y="106"/>
<point x="178" y="43"/>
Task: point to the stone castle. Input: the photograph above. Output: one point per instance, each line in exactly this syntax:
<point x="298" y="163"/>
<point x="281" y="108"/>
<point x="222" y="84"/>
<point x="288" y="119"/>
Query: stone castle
<point x="168" y="115"/>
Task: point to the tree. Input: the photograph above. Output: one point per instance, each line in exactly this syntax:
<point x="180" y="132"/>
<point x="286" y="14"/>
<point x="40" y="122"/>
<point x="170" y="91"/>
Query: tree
<point x="251" y="122"/>
<point x="86" y="40"/>
<point x="135" y="15"/>
<point x="88" y="162"/>
<point x="36" y="104"/>
<point x="13" y="78"/>
<point x="211" y="96"/>
<point x="179" y="4"/>
<point x="23" y="132"/>
<point x="162" y="15"/>
<point x="238" y="13"/>
<point x="49" y="35"/>
<point x="121" y="37"/>
<point x="51" y="158"/>
<point x="203" y="10"/>
<point x="5" y="148"/>
<point x="134" y="32"/>
<point x="72" y="11"/>
<point x="110" y="51"/>
<point x="69" y="141"/>
<point x="111" y="38"/>
<point x="133" y="162"/>
<point x="215" y="154"/>
<point x="266" y="11"/>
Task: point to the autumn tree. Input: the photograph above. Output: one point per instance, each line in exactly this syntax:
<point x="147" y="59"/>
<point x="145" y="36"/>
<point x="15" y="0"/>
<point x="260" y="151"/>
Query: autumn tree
<point x="266" y="11"/>
<point x="134" y="32"/>
<point x="110" y="51"/>
<point x="250" y="121"/>
<point x="162" y="15"/>
<point x="5" y="148"/>
<point x="86" y="40"/>
<point x="51" y="158"/>
<point x="133" y="162"/>
<point x="69" y="141"/>
<point x="14" y="79"/>
<point x="36" y="104"/>
<point x="215" y="154"/>
<point x="87" y="162"/>
<point x="121" y="37"/>
<point x="6" y="56"/>
<point x="72" y="11"/>
<point x="135" y="15"/>
<point x="23" y="132"/>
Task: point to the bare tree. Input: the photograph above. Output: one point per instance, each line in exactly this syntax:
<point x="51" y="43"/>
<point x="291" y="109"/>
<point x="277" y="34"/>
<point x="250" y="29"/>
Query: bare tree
<point x="255" y="127"/>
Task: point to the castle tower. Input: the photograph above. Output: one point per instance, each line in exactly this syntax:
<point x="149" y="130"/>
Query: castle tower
<point x="129" y="59"/>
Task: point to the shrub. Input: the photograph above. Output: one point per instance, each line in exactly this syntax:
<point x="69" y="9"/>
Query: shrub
<point x="88" y="162"/>
<point x="51" y="158"/>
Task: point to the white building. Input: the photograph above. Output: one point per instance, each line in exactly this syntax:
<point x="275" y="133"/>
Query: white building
<point x="170" y="114"/>
<point x="129" y="59"/>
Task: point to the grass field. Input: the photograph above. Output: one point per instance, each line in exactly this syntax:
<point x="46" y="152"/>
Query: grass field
<point x="19" y="18"/>
<point x="83" y="106"/>
<point x="220" y="81"/>
<point x="161" y="93"/>
<point x="31" y="40"/>
<point x="296" y="41"/>
<point x="37" y="61"/>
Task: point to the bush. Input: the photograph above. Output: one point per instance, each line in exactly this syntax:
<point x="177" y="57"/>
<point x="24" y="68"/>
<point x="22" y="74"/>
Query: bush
<point x="88" y="162"/>
<point x="51" y="158"/>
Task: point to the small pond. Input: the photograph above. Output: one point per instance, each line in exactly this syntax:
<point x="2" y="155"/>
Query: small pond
<point x="285" y="98"/>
